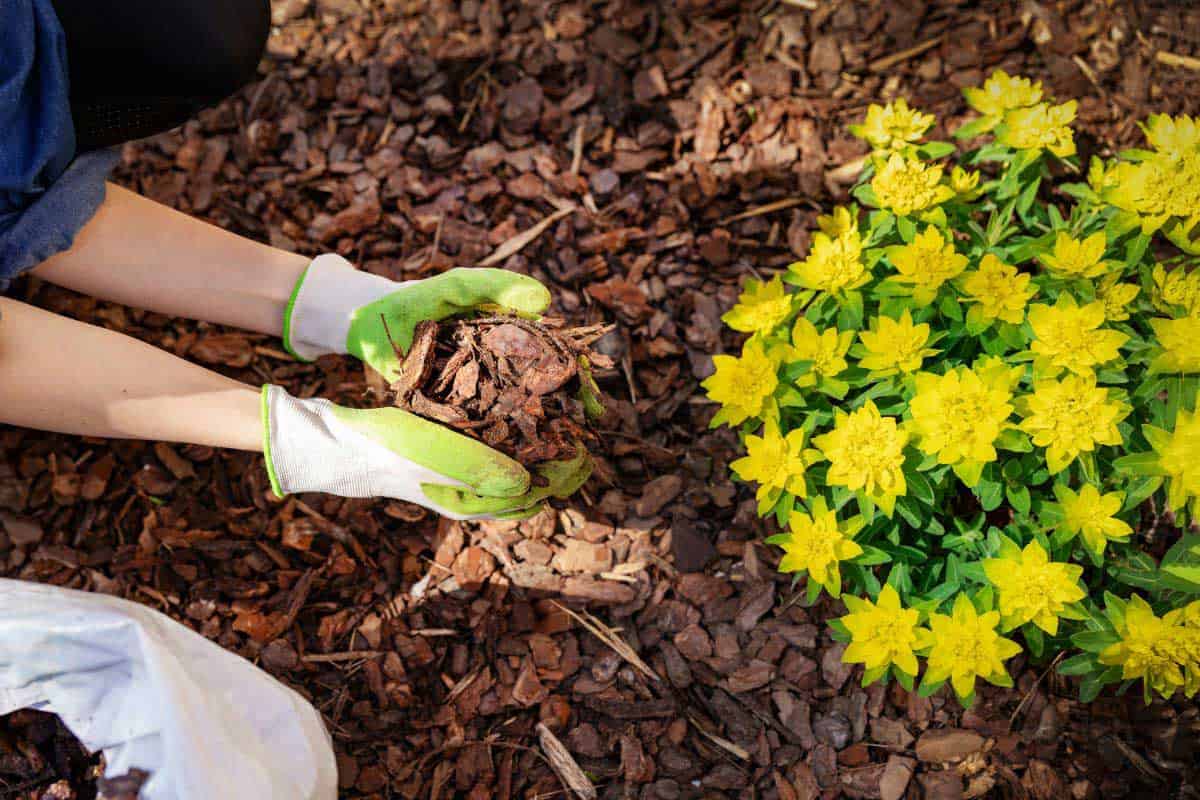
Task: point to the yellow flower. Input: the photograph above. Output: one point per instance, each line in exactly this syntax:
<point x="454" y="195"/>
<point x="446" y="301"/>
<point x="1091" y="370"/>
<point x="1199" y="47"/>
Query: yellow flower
<point x="895" y="345"/>
<point x="927" y="263"/>
<point x="1091" y="515"/>
<point x="1179" y="343"/>
<point x="1175" y="291"/>
<point x="1176" y="136"/>
<point x="1179" y="457"/>
<point x="1000" y="291"/>
<point x="742" y="385"/>
<point x="1073" y="258"/>
<point x="882" y="633"/>
<point x="965" y="183"/>
<point x="825" y="349"/>
<point x="892" y="127"/>
<point x="1157" y="188"/>
<point x="842" y="220"/>
<point x="1001" y="93"/>
<point x="1069" y="417"/>
<point x="906" y="186"/>
<point x="1033" y="588"/>
<point x="1069" y="336"/>
<point x="761" y="308"/>
<point x="1116" y="297"/>
<point x="1150" y="648"/>
<point x="1100" y="175"/>
<point x="833" y="265"/>
<point x="1040" y="127"/>
<point x="866" y="452"/>
<point x="957" y="416"/>
<point x="777" y="463"/>
<point x="966" y="646"/>
<point x="997" y="374"/>
<point x="817" y="544"/>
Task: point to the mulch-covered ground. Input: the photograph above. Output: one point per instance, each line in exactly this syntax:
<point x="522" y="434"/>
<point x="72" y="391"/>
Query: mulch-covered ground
<point x="641" y="159"/>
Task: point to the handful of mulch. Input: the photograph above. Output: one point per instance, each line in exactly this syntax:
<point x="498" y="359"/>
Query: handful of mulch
<point x="40" y="759"/>
<point x="521" y="386"/>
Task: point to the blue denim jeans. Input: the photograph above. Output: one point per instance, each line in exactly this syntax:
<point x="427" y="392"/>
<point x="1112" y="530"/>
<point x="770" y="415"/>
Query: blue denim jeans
<point x="46" y="194"/>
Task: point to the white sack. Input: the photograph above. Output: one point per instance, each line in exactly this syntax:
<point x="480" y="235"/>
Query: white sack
<point x="154" y="695"/>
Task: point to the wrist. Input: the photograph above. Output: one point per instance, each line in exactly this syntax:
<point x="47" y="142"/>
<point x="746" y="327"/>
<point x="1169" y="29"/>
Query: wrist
<point x="317" y="317"/>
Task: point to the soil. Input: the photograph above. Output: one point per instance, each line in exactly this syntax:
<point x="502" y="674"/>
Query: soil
<point x="522" y="386"/>
<point x="40" y="759"/>
<point x="641" y="160"/>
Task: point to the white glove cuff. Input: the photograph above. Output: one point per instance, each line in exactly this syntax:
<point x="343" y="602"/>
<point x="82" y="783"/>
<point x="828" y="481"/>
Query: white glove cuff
<point x="306" y="448"/>
<point x="318" y="314"/>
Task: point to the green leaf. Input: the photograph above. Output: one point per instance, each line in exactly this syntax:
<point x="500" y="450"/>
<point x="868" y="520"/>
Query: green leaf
<point x="1078" y="664"/>
<point x="918" y="486"/>
<point x="872" y="556"/>
<point x="1014" y="440"/>
<point x="975" y="127"/>
<point x="1094" y="641"/>
<point x="1018" y="497"/>
<point x="936" y="150"/>
<point x="1034" y="638"/>
<point x="907" y="229"/>
<point x="990" y="494"/>
<point x="1139" y="464"/>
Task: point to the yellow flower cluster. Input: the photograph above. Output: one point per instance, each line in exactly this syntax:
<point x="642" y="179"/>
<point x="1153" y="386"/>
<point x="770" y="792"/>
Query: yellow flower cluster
<point x="893" y="127"/>
<point x="961" y="346"/>
<point x="1164" y="652"/>
<point x="958" y="416"/>
<point x="1162" y="189"/>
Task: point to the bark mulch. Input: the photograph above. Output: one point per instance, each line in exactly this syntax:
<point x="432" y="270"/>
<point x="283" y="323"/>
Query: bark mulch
<point x="641" y="159"/>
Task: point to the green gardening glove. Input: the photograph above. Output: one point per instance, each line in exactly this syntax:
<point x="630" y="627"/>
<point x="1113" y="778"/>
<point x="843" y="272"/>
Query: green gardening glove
<point x="338" y="309"/>
<point x="316" y="446"/>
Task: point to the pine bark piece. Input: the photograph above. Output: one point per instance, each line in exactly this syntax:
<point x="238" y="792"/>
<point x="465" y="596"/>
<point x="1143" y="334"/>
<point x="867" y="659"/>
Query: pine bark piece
<point x="564" y="765"/>
<point x="417" y="363"/>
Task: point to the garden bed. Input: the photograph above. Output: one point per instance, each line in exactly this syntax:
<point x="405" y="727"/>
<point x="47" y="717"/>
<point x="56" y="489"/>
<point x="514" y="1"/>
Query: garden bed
<point x="664" y="154"/>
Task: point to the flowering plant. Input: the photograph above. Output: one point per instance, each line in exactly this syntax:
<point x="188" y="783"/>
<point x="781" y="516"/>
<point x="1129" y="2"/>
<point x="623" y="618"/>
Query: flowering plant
<point x="972" y="408"/>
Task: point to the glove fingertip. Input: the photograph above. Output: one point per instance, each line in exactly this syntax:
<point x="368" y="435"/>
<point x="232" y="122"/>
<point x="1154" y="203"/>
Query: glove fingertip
<point x="525" y="294"/>
<point x="501" y="477"/>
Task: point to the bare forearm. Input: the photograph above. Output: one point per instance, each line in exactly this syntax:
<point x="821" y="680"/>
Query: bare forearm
<point x="141" y="253"/>
<point x="58" y="374"/>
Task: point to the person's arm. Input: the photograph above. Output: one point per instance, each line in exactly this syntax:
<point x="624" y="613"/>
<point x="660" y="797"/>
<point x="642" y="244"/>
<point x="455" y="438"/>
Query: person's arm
<point x="141" y="253"/>
<point x="61" y="375"/>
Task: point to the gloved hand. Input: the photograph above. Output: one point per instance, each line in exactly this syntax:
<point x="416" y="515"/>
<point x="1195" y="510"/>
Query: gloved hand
<point x="337" y="309"/>
<point x="316" y="446"/>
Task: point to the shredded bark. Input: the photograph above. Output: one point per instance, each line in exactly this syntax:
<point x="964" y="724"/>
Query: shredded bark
<point x="521" y="386"/>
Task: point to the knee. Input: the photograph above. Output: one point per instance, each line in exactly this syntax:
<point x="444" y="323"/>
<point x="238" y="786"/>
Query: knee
<point x="233" y="45"/>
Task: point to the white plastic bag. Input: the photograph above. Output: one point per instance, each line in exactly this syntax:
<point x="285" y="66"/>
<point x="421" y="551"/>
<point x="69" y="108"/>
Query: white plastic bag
<point x="154" y="695"/>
